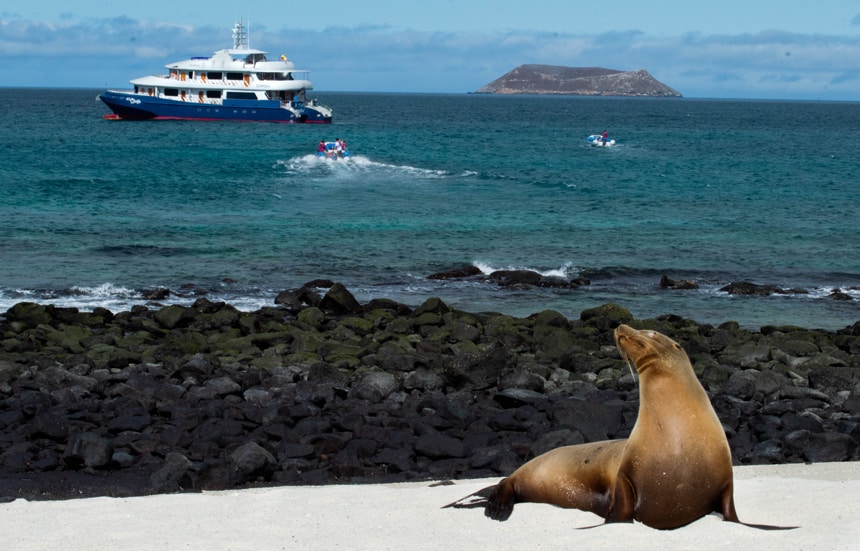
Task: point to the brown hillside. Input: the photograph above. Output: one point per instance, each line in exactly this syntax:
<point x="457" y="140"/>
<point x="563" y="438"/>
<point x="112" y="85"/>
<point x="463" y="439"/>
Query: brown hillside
<point x="580" y="81"/>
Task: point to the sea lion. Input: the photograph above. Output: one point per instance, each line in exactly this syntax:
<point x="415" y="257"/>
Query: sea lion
<point x="675" y="467"/>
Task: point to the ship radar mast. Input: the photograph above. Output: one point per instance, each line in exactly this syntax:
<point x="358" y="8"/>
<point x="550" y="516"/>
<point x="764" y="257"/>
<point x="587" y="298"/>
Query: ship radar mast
<point x="240" y="36"/>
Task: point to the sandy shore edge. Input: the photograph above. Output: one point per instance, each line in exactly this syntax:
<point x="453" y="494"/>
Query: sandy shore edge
<point x="820" y="499"/>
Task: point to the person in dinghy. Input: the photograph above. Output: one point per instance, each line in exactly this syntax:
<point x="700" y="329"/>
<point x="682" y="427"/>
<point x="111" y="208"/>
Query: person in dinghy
<point x="601" y="140"/>
<point x="335" y="150"/>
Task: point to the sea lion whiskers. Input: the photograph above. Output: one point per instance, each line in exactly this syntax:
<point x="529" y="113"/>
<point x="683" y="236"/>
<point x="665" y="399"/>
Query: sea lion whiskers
<point x="626" y="359"/>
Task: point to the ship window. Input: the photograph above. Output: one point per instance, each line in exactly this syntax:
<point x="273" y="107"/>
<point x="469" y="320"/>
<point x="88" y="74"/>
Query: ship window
<point x="171" y="92"/>
<point x="213" y="94"/>
<point x="235" y="76"/>
<point x="214" y="76"/>
<point x="275" y="76"/>
<point x="241" y="95"/>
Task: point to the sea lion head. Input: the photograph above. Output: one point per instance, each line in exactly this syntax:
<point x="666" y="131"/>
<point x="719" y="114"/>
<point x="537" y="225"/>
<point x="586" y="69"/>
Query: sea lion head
<point x="647" y="348"/>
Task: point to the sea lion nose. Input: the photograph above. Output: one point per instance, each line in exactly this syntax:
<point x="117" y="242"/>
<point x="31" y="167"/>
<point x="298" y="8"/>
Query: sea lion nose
<point x="622" y="331"/>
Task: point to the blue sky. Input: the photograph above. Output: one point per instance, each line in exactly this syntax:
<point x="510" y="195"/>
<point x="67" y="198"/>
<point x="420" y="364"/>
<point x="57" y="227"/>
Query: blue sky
<point x="774" y="49"/>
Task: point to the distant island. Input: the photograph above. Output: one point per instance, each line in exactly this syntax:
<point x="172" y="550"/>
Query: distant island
<point x="577" y="81"/>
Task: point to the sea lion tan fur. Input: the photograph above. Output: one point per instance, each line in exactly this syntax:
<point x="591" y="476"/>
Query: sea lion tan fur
<point x="675" y="467"/>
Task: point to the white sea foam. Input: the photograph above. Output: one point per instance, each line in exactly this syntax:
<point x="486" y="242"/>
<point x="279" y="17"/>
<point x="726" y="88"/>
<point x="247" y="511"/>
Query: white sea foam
<point x="117" y="298"/>
<point x="105" y="290"/>
<point x="809" y="294"/>
<point x="822" y="292"/>
<point x="566" y="270"/>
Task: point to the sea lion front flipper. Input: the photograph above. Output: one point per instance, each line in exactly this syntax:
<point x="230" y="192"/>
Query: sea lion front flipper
<point x="621" y="507"/>
<point x="767" y="526"/>
<point x="727" y="504"/>
<point x="727" y="509"/>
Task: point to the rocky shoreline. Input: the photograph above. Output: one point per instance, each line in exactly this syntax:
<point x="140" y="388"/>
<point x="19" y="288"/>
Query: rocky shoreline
<point x="319" y="389"/>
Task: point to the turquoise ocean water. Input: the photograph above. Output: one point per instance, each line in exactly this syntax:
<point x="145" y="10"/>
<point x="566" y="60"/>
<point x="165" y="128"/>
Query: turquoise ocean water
<point x="95" y="213"/>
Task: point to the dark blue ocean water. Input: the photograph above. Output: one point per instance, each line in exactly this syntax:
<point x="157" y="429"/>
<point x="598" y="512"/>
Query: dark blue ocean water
<point x="95" y="212"/>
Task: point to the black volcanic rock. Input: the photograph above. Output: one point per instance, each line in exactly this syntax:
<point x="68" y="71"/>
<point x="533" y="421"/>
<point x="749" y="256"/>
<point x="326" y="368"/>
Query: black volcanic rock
<point x="210" y="398"/>
<point x="577" y="81"/>
<point x="457" y="273"/>
<point x="667" y="283"/>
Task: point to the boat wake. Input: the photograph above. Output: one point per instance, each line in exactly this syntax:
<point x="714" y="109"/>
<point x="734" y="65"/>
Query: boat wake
<point x="356" y="165"/>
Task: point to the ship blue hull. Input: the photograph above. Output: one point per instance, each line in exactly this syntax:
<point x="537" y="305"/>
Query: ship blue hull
<point x="313" y="116"/>
<point x="128" y="106"/>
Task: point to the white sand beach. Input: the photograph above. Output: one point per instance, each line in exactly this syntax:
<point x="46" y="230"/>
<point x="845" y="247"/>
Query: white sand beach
<point x="822" y="500"/>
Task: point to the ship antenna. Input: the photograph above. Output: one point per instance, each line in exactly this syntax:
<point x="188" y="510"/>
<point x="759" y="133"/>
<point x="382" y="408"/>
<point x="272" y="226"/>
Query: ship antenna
<point x="240" y="36"/>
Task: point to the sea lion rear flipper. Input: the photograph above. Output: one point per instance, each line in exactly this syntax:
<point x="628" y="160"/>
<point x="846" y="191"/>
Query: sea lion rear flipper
<point x="500" y="503"/>
<point x="472" y="501"/>
<point x="497" y="501"/>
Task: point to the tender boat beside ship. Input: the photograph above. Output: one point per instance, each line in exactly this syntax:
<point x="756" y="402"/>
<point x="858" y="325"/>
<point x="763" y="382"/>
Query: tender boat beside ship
<point x="233" y="84"/>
